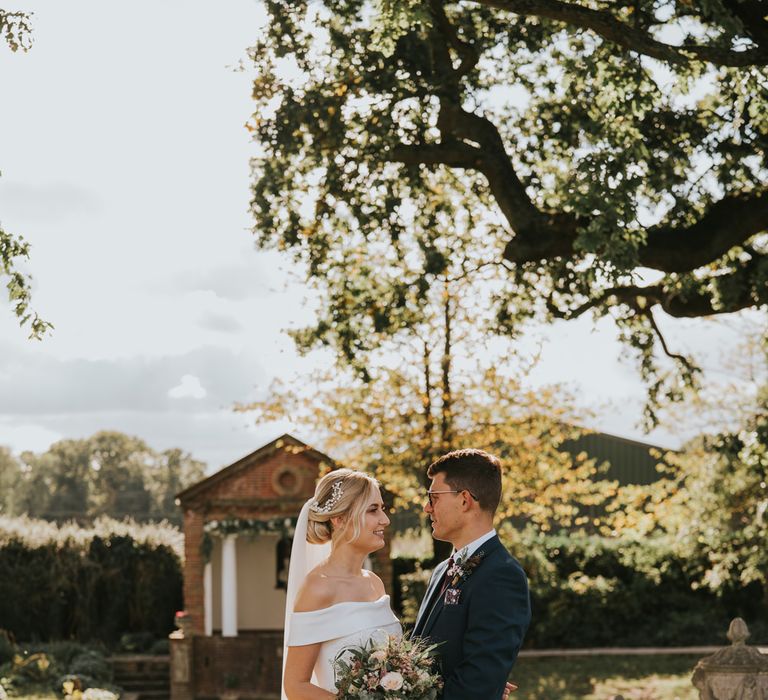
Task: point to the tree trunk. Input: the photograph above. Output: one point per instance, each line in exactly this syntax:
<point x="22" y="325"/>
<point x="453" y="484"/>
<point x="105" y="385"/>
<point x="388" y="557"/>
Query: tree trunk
<point x="442" y="550"/>
<point x="446" y="423"/>
<point x="428" y="449"/>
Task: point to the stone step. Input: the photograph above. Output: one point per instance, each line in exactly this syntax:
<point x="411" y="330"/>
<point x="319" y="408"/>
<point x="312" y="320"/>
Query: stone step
<point x="143" y="683"/>
<point x="139" y="661"/>
<point x="154" y="694"/>
<point x="142" y="677"/>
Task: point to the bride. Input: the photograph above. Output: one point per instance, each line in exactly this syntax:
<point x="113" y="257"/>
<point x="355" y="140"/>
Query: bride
<point x="332" y="602"/>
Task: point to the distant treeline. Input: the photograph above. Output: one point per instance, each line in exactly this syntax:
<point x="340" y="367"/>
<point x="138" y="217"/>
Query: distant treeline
<point x="108" y="474"/>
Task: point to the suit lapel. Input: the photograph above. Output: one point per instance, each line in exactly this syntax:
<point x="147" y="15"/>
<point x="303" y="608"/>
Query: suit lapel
<point x="436" y="607"/>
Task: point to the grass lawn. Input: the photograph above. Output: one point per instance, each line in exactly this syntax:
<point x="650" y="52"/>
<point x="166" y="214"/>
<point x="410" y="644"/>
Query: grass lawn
<point x="663" y="677"/>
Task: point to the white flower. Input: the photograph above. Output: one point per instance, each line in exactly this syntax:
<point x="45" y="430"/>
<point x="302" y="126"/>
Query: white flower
<point x="391" y="681"/>
<point x="98" y="694"/>
<point x="379" y="656"/>
<point x="380" y="639"/>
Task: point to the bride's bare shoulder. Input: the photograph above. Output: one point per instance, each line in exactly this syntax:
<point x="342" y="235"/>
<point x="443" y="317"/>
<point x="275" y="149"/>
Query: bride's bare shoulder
<point x="376" y="583"/>
<point x="316" y="592"/>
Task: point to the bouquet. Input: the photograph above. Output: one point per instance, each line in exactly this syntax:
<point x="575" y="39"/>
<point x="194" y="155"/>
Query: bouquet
<point x="395" y="667"/>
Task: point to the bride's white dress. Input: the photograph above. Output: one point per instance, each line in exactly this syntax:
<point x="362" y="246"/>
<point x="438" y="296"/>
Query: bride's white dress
<point x="339" y="626"/>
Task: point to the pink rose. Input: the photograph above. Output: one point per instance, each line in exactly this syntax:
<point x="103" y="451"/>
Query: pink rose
<point x="391" y="681"/>
<point x="379" y="656"/>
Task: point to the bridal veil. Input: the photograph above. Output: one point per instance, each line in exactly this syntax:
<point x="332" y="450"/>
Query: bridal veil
<point x="304" y="558"/>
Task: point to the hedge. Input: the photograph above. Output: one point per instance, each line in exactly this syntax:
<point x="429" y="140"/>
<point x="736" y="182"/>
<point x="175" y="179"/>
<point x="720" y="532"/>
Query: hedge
<point x="590" y="591"/>
<point x="116" y="579"/>
<point x="88" y="584"/>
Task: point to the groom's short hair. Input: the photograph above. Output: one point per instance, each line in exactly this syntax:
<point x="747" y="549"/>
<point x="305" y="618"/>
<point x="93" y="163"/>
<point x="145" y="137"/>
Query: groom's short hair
<point x="474" y="470"/>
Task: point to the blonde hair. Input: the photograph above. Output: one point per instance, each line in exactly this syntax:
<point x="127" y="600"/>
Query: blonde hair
<point x="356" y="489"/>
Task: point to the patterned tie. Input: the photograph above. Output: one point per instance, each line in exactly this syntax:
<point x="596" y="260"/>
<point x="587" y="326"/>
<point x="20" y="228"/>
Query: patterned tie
<point x="446" y="577"/>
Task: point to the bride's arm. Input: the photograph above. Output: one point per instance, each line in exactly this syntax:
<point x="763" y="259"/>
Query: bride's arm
<point x="298" y="674"/>
<point x="316" y="593"/>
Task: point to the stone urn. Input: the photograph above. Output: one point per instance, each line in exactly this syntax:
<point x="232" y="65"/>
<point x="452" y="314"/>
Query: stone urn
<point x="737" y="672"/>
<point x="183" y="622"/>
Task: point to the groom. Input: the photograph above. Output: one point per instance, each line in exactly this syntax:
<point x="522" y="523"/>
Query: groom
<point x="476" y="606"/>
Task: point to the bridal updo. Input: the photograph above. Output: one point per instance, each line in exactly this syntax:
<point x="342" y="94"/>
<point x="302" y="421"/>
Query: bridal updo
<point x="342" y="492"/>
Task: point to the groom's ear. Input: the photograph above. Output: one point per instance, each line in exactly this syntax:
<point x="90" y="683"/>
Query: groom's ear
<point x="467" y="501"/>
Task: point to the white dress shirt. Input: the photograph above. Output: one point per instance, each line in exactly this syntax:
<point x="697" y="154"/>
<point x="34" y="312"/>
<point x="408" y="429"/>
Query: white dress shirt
<point x="469" y="549"/>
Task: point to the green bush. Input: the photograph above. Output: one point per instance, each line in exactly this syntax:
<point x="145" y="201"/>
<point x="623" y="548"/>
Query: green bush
<point x="30" y="669"/>
<point x="591" y="591"/>
<point x="136" y="642"/>
<point x="161" y="647"/>
<point x="65" y="651"/>
<point x="44" y="668"/>
<point x="595" y="591"/>
<point x="414" y="588"/>
<point x="93" y="664"/>
<point x="90" y="584"/>
<point x="7" y="647"/>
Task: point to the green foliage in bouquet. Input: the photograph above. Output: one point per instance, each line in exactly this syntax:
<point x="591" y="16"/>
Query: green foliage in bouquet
<point x="396" y="667"/>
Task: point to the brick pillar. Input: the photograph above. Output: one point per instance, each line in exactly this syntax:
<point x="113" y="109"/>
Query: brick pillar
<point x="182" y="660"/>
<point x="194" y="597"/>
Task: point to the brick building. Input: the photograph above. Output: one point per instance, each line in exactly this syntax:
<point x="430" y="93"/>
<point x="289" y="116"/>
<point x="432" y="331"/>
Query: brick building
<point x="237" y="529"/>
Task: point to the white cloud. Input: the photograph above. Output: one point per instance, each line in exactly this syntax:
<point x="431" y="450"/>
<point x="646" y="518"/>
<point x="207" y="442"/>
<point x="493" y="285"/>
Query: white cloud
<point x="34" y="383"/>
<point x="189" y="388"/>
<point x="26" y="436"/>
<point x="221" y="323"/>
<point x="47" y="202"/>
<point x="231" y="282"/>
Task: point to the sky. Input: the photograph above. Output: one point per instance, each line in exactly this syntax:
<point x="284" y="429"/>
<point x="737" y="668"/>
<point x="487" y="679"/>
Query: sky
<point x="125" y="164"/>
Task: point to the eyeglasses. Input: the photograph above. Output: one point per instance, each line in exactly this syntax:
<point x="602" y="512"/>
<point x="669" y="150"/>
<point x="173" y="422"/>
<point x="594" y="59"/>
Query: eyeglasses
<point x="432" y="493"/>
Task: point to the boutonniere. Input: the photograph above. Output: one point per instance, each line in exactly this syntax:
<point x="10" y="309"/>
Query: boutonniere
<point x="462" y="571"/>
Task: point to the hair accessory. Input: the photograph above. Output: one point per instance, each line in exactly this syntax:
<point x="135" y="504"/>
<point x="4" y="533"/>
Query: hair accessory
<point x="336" y="493"/>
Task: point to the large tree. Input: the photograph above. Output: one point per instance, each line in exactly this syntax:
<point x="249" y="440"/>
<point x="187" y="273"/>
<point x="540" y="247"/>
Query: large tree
<point x="384" y="427"/>
<point x="711" y="502"/>
<point x="614" y="153"/>
<point x="406" y="394"/>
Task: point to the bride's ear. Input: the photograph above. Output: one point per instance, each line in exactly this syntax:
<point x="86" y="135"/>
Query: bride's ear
<point x="338" y="522"/>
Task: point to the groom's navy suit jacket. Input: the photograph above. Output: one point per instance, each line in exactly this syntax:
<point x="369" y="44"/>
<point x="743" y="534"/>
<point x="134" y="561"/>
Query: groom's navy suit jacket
<point x="480" y="635"/>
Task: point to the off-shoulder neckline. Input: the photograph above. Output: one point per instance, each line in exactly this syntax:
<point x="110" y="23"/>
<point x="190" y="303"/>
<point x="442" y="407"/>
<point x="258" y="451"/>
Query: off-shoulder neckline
<point x="345" y="602"/>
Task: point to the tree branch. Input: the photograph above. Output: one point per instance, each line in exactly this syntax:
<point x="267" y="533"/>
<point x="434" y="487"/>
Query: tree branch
<point x="686" y="362"/>
<point x="454" y="122"/>
<point x="471" y="141"/>
<point x="727" y="223"/>
<point x="16" y="29"/>
<point x="468" y="54"/>
<point x="454" y="154"/>
<point x="605" y="24"/>
<point x="691" y="304"/>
